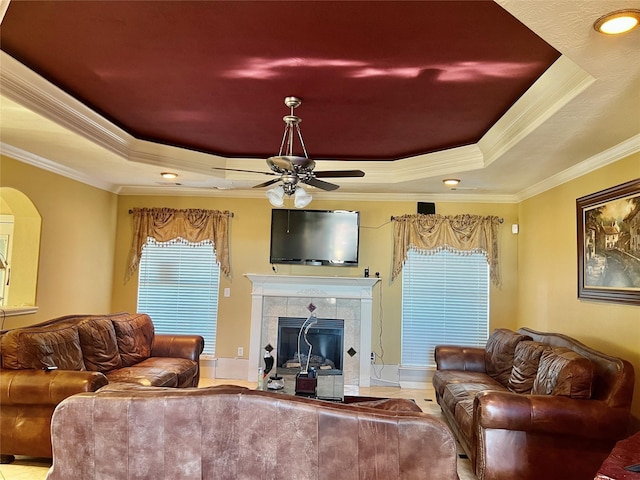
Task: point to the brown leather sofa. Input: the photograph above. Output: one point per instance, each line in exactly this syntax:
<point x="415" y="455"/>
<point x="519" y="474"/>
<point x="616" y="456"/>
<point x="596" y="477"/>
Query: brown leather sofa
<point x="534" y="405"/>
<point x="44" y="364"/>
<point x="230" y="432"/>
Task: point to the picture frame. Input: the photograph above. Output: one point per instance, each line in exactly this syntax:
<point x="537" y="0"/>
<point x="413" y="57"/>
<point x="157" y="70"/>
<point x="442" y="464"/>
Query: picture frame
<point x="609" y="244"/>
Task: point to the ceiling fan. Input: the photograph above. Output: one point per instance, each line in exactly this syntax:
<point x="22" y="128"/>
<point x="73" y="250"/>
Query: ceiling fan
<point x="293" y="170"/>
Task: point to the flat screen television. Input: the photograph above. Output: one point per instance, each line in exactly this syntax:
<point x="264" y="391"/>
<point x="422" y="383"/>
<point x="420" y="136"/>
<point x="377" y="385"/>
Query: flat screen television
<point x="315" y="237"/>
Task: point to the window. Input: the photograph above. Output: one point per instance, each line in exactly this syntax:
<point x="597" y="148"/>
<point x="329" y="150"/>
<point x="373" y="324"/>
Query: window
<point x="178" y="287"/>
<point x="445" y="300"/>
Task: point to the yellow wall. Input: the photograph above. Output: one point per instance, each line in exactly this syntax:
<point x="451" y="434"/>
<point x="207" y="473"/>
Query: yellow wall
<point x="24" y="247"/>
<point x="249" y="247"/>
<point x="77" y="243"/>
<point x="547" y="264"/>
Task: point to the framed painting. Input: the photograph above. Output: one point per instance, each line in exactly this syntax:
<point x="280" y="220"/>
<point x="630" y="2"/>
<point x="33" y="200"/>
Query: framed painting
<point x="609" y="244"/>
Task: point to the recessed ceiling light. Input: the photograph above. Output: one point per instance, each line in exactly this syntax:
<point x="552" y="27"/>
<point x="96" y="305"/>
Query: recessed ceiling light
<point x="169" y="175"/>
<point x="451" y="182"/>
<point x="620" y="21"/>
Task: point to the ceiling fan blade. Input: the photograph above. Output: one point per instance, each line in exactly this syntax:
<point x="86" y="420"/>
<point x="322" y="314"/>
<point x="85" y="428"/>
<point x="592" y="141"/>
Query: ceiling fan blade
<point x="239" y="170"/>
<point x="266" y="184"/>
<point x="322" y="185"/>
<point x="339" y="173"/>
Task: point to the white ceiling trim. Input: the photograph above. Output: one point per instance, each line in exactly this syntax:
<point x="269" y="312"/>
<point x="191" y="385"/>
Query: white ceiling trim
<point x="54" y="167"/>
<point x="32" y="91"/>
<point x="560" y="84"/>
<point x="611" y="155"/>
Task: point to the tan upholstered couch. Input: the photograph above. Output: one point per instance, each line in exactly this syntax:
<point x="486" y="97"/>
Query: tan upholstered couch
<point x="534" y="405"/>
<point x="89" y="352"/>
<point x="229" y="433"/>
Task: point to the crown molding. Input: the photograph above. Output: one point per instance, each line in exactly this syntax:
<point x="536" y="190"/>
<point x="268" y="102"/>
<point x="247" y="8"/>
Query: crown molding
<point x="29" y="89"/>
<point x="611" y="155"/>
<point x="53" y="167"/>
<point x="180" y="191"/>
<point x="561" y="83"/>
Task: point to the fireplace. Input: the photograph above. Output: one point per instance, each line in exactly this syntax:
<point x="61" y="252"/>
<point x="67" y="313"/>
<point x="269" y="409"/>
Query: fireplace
<point x="349" y="299"/>
<point x="326" y="337"/>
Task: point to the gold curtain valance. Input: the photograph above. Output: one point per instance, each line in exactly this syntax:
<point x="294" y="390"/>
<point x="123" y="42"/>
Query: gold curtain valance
<point x="459" y="233"/>
<point x="193" y="225"/>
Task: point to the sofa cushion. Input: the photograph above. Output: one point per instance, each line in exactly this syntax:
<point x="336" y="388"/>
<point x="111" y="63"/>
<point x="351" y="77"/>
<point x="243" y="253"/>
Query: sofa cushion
<point x="134" y="334"/>
<point x="525" y="366"/>
<point x="184" y="369"/>
<point x="50" y="346"/>
<point x="498" y="357"/>
<point x="99" y="345"/>
<point x="464" y="418"/>
<point x="456" y="392"/>
<point x="146" y="376"/>
<point x="442" y="378"/>
<point x="563" y="372"/>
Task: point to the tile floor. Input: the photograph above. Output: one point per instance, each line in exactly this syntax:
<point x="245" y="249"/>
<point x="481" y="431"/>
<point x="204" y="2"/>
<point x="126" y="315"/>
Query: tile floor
<point x="26" y="468"/>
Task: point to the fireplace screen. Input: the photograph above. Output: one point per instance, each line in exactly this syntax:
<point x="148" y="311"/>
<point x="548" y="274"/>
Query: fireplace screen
<point x="327" y="343"/>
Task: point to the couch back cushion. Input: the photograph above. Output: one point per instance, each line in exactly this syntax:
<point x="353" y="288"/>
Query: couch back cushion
<point x="525" y="366"/>
<point x="499" y="352"/>
<point x="134" y="335"/>
<point x="99" y="344"/>
<point x="563" y="372"/>
<point x="50" y="346"/>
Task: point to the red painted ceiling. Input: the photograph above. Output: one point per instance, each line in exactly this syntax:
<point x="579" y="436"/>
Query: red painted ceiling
<point x="379" y="80"/>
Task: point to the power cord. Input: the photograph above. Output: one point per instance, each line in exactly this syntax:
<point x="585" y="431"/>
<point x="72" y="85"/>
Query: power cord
<point x="378" y="375"/>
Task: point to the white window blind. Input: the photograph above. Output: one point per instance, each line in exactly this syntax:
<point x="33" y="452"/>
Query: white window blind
<point x="445" y="300"/>
<point x="178" y="287"/>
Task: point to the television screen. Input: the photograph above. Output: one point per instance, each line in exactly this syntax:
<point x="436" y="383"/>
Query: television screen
<point x="315" y="237"/>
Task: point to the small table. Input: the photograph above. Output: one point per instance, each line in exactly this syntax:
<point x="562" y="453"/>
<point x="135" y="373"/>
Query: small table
<point x="330" y="387"/>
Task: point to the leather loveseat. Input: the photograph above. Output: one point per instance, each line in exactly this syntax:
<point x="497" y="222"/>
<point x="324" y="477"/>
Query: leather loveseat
<point x="44" y="364"/>
<point x="230" y="432"/>
<point x="534" y="405"/>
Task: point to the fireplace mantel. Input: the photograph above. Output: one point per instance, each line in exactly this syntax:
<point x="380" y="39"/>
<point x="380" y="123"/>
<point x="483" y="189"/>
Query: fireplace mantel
<point x="313" y="287"/>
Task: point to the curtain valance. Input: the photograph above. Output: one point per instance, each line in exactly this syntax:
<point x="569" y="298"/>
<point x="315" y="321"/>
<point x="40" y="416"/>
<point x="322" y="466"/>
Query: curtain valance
<point x="193" y="225"/>
<point x="460" y="234"/>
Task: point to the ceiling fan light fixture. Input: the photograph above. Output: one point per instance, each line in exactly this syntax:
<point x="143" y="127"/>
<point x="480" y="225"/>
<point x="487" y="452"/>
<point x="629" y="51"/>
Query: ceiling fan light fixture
<point x="169" y="175"/>
<point x="451" y="182"/>
<point x="275" y="196"/>
<point x="301" y="198"/>
<point x="620" y="21"/>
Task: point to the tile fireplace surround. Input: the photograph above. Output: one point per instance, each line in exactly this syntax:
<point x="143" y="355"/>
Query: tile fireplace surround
<point x="346" y="298"/>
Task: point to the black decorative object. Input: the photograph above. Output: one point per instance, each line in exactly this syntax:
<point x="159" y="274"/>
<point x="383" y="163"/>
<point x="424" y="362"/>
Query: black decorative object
<point x="351" y="352"/>
<point x="268" y="359"/>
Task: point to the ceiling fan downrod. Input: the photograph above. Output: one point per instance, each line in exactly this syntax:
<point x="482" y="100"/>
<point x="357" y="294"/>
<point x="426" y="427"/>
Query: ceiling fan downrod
<point x="292" y="126"/>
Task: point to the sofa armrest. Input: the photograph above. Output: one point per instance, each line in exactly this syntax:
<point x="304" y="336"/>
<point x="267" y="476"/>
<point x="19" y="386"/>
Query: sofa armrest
<point x="37" y="387"/>
<point x="550" y="414"/>
<point x="455" y="357"/>
<point x="178" y="346"/>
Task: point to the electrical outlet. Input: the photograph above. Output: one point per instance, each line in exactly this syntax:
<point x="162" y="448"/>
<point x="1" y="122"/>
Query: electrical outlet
<point x="240" y="352"/>
<point x="373" y="356"/>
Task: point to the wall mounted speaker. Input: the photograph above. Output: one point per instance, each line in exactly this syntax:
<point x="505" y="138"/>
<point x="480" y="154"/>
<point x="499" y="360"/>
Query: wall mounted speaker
<point x="426" y="208"/>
